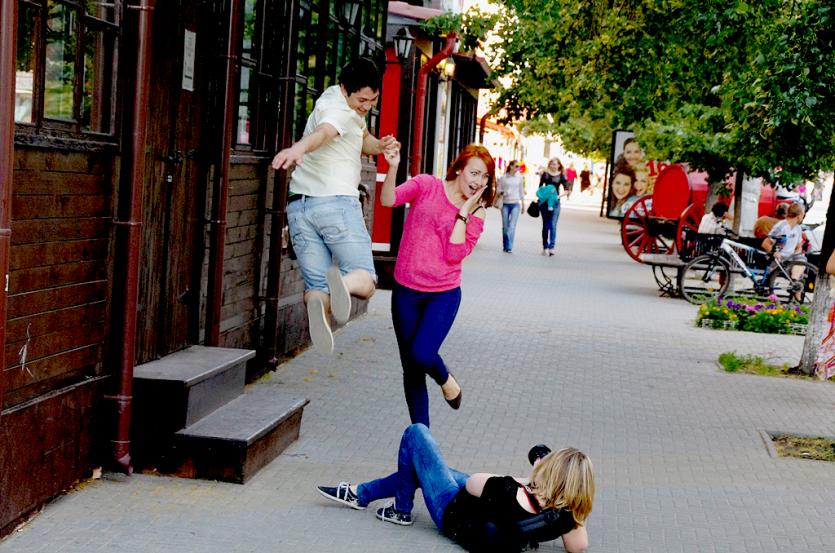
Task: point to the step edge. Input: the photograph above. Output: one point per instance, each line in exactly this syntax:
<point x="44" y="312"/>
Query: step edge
<point x="297" y="406"/>
<point x="205" y="374"/>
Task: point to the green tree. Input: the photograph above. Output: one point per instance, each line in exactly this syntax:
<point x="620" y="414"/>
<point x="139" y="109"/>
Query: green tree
<point x="724" y="85"/>
<point x="717" y="83"/>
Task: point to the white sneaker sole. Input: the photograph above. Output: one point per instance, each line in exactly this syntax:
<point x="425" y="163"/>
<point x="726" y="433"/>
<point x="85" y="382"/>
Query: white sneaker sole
<point x="320" y="330"/>
<point x="340" y="297"/>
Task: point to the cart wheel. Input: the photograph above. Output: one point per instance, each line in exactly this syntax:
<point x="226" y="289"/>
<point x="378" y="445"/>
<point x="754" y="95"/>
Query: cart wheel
<point x="689" y="219"/>
<point x="635" y="231"/>
<point x="798" y="289"/>
<point x="704" y="278"/>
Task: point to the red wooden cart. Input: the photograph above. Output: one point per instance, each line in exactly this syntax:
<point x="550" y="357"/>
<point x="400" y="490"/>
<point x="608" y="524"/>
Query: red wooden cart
<point x="655" y="223"/>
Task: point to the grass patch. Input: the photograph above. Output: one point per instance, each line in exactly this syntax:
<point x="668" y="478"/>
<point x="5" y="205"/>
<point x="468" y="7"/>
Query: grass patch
<point x="803" y="447"/>
<point x="755" y="364"/>
<point x="752" y="364"/>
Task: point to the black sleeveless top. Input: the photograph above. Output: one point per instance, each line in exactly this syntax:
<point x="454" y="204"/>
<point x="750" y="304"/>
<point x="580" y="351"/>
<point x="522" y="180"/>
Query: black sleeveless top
<point x="556" y="180"/>
<point x="486" y="523"/>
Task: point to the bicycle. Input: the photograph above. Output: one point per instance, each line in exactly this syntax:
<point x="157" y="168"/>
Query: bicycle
<point x="710" y="275"/>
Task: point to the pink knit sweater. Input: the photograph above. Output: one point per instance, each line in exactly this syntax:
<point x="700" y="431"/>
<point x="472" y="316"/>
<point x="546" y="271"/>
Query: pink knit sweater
<point x="427" y="261"/>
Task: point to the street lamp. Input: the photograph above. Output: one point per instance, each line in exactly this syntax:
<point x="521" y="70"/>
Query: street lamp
<point x="449" y="67"/>
<point x="350" y="10"/>
<point x="403" y="40"/>
<point x="367" y="42"/>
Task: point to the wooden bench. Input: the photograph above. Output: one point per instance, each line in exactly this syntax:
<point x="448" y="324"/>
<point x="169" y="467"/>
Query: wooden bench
<point x="663" y="266"/>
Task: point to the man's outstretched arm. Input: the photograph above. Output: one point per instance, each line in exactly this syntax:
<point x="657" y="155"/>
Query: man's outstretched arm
<point x="288" y="157"/>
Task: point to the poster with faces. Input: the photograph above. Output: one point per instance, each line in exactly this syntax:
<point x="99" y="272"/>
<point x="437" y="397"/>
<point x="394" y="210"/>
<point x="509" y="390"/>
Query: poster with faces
<point x="631" y="176"/>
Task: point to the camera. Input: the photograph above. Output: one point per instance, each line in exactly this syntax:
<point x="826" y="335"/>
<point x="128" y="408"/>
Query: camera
<point x="538" y="452"/>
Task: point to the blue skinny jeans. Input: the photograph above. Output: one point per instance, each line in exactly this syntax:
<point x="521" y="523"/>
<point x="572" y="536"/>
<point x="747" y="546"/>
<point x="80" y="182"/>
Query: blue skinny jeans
<point x="549" y="227"/>
<point x="510" y="215"/>
<point x="419" y="465"/>
<point x="422" y="321"/>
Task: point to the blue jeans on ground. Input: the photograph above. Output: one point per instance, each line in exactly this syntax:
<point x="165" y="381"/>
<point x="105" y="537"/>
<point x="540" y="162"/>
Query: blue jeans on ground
<point x="419" y="465"/>
<point x="422" y="321"/>
<point x="510" y="214"/>
<point x="328" y="228"/>
<point x="549" y="227"/>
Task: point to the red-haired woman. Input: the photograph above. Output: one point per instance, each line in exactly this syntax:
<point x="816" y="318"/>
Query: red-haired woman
<point x="445" y="221"/>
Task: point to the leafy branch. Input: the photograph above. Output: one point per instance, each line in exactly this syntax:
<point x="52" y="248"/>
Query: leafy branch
<point x="471" y="26"/>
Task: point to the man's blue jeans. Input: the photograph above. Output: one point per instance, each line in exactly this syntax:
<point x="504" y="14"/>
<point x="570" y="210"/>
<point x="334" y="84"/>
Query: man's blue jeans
<point x="549" y="227"/>
<point x="510" y="215"/>
<point x="419" y="465"/>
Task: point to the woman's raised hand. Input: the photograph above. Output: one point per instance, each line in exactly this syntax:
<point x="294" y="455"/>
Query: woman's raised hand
<point x="472" y="201"/>
<point x="392" y="155"/>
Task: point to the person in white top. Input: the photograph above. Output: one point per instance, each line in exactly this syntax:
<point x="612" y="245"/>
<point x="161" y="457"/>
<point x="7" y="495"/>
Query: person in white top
<point x="789" y="233"/>
<point x="512" y="190"/>
<point x="714" y="222"/>
<point x="323" y="208"/>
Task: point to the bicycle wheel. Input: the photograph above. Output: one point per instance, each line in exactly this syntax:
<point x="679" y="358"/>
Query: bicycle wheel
<point x="704" y="278"/>
<point x="800" y="288"/>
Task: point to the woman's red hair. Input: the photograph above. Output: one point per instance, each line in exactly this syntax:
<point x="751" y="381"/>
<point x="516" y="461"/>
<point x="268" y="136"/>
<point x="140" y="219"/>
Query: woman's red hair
<point x="469" y="152"/>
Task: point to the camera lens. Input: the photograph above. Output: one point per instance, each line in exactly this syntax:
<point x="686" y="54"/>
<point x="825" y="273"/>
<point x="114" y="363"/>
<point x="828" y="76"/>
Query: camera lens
<point x="538" y="452"/>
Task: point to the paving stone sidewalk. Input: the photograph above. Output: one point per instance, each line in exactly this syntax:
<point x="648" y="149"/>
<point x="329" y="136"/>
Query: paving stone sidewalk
<point x="577" y="350"/>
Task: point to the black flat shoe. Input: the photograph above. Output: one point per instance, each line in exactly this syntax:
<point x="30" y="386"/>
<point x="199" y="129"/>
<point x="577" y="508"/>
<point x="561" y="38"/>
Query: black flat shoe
<point x="455" y="402"/>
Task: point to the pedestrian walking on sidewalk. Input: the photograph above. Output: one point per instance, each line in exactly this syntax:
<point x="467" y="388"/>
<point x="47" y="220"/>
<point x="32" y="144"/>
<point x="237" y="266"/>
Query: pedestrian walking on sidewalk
<point x="548" y="195"/>
<point x="512" y="190"/>
<point x="570" y="178"/>
<point x="483" y="512"/>
<point x="445" y="220"/>
<point x="585" y="180"/>
<point x="323" y="208"/>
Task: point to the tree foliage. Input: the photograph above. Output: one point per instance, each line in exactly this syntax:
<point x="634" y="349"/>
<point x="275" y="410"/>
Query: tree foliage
<point x="471" y="26"/>
<point x="721" y="84"/>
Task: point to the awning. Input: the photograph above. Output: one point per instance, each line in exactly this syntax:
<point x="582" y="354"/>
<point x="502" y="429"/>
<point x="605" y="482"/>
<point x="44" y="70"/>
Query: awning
<point x="409" y="11"/>
<point x="472" y="71"/>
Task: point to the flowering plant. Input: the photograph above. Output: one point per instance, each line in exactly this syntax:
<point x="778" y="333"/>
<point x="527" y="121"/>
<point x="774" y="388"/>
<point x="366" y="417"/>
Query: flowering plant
<point x="768" y="316"/>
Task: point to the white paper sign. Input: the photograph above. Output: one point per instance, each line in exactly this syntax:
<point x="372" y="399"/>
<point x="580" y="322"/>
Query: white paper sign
<point x="188" y="60"/>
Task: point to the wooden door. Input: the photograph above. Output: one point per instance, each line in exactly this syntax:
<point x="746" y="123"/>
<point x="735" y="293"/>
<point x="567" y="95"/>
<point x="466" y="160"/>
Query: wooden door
<point x="174" y="199"/>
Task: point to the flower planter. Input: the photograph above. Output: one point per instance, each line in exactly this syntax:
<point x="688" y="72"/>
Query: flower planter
<point x="766" y="316"/>
<point x="798" y="329"/>
<point x="718" y="324"/>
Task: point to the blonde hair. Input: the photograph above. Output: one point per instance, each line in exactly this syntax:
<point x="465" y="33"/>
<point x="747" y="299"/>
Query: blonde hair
<point x="564" y="479"/>
<point x="796" y="210"/>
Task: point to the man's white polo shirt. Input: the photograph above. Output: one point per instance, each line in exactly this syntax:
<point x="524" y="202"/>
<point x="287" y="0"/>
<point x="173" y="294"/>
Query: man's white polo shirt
<point x="334" y="168"/>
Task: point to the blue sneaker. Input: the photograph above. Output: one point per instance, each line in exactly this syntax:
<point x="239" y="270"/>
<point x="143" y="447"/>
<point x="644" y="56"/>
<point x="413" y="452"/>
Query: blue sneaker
<point x="390" y="514"/>
<point x="341" y="494"/>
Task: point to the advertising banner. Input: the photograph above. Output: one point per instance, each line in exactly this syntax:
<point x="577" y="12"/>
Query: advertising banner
<point x="630" y="175"/>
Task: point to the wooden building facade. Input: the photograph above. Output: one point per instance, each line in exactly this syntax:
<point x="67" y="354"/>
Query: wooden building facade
<point x="138" y="213"/>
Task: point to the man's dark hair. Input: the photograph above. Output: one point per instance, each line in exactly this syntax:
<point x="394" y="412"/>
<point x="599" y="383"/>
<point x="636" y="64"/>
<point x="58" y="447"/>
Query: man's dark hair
<point x="719" y="209"/>
<point x="781" y="211"/>
<point x="360" y="73"/>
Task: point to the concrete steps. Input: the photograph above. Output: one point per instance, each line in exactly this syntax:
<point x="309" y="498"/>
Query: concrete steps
<point x="193" y="418"/>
